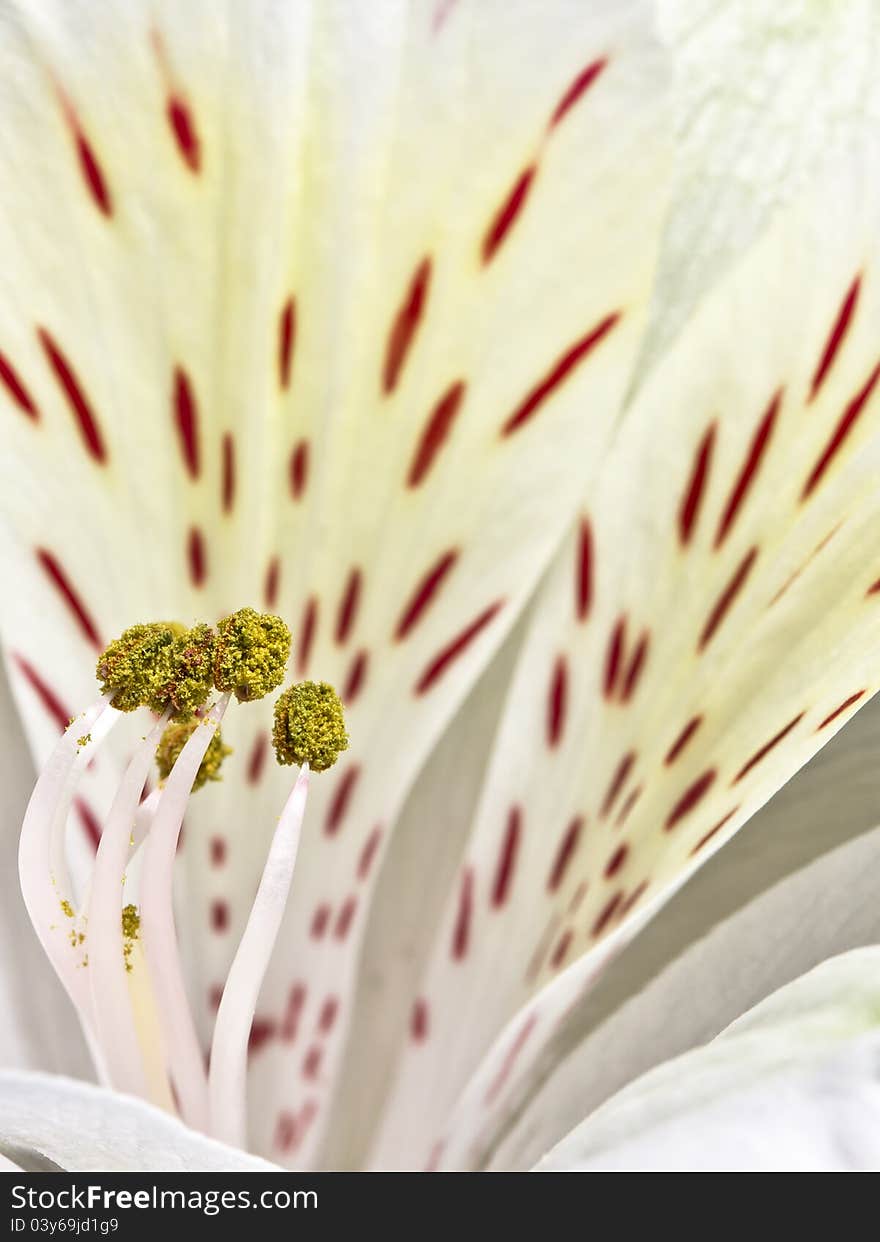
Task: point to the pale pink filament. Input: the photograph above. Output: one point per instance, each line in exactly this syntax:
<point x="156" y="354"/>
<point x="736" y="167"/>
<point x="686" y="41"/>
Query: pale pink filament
<point x="228" y="1072"/>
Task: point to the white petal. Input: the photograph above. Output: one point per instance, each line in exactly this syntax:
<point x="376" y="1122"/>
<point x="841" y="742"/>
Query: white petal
<point x="85" y="1129"/>
<point x="793" y="1085"/>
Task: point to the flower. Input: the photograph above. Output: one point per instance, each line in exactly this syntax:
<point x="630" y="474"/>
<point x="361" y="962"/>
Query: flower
<point x="398" y="393"/>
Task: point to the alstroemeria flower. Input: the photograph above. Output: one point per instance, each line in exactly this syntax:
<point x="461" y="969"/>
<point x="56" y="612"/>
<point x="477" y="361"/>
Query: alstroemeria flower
<point x="334" y="310"/>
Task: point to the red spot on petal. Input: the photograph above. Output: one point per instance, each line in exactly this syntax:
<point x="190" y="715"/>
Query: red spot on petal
<point x="436" y="432"/>
<point x="270" y="587"/>
<point x="186" y="420"/>
<point x="618" y="780"/>
<point x="180" y="118"/>
<point x="341" y="799"/>
<point x="227" y="486"/>
<point x="853" y="698"/>
<point x="747" y="474"/>
<point x="320" y="919"/>
<point x="557" y="697"/>
<point x="633" y="899"/>
<point x="635" y="667"/>
<point x="461" y="933"/>
<point x="406" y="321"/>
<point x="328" y="1013"/>
<point x="357" y="675"/>
<point x="257" y="760"/>
<point x="307" y="634"/>
<point x="262" y="1030"/>
<point x="682" y="740"/>
<point x="561" y="949"/>
<point x="218" y="851"/>
<point x="766" y="748"/>
<point x="348" y="606"/>
<point x="286" y="341"/>
<point x="836" y="336"/>
<point x="616" y="861"/>
<point x="219" y="916"/>
<point x="507" y="858"/>
<point x="726" y="598"/>
<point x="558" y="373"/>
<point x="76" y="396"/>
<point x="614" y="657"/>
<point x="712" y="831"/>
<point x="629" y="802"/>
<point x="296" y="999"/>
<point x="13" y="384"/>
<point x="197" y="557"/>
<point x="455" y="648"/>
<point x="577" y="90"/>
<point x="418" y="1023"/>
<point x="312" y="1063"/>
<point x="510" y="1058"/>
<point x="690" y="798"/>
<point x="691" y="501"/>
<point x="607" y="914"/>
<point x="299" y="469"/>
<point x="44" y="693"/>
<point x="89" y="165"/>
<point x="504" y="218"/>
<point x="839" y="436"/>
<point x="564" y="854"/>
<point x="59" y="579"/>
<point x="583" y="583"/>
<point x="368" y="853"/>
<point x="344" y="918"/>
<point x="424" y="593"/>
<point x="90" y="823"/>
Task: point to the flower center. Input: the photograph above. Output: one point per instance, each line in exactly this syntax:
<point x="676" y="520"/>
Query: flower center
<point x="119" y="960"/>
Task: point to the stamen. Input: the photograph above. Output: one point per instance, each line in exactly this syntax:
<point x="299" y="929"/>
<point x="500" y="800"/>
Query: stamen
<point x="251" y="654"/>
<point x="309" y="726"/>
<point x="173" y="741"/>
<point x="183" y="1052"/>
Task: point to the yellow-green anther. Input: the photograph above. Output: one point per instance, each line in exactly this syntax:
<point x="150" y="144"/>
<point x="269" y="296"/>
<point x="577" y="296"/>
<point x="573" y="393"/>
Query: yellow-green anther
<point x="190" y="679"/>
<point x="131" y="925"/>
<point x="309" y="726"/>
<point x="250" y="654"/>
<point x="175" y="737"/>
<point x="137" y="663"/>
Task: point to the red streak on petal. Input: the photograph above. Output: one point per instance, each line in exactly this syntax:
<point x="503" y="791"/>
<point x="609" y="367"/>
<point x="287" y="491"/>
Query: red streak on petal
<point x="406" y="321"/>
<point x="583" y="582"/>
<point x="844" y="426"/>
<point x="320" y="919"/>
<point x="564" y="854"/>
<point x="344" y="918"/>
<point x="454" y="649"/>
<point x="44" y="692"/>
<point x="689" y="799"/>
<point x="418" y="1024"/>
<point x="424" y="593"/>
<point x="187" y="421"/>
<point x="89" y="820"/>
<point x="836" y="336"/>
<point x="853" y="698"/>
<point x="368" y="853"/>
<point x="617" y="782"/>
<point x="436" y="432"/>
<point x="286" y="342"/>
<point x="348" y="606"/>
<point x="62" y="583"/>
<point x="307" y="634"/>
<point x="712" y="831"/>
<point x="636" y="666"/>
<point x="505" y="216"/>
<point x="357" y="674"/>
<point x="261" y="1032"/>
<point x="726" y="598"/>
<point x="510" y="1059"/>
<point x="616" y="861"/>
<point x="614" y="657"/>
<point x="507" y="858"/>
<point x="757" y="449"/>
<point x="227" y="490"/>
<point x="299" y="469"/>
<point x="183" y="127"/>
<point x="76" y="397"/>
<point x="633" y="898"/>
<point x="559" y="372"/>
<point x="16" y="389"/>
<point x="608" y="912"/>
<point x="689" y="509"/>
<point x="629" y="802"/>
<point x="257" y="760"/>
<point x="198" y="564"/>
<point x="462" y="931"/>
<point x="577" y="90"/>
<point x="312" y="1063"/>
<point x="296" y="999"/>
<point x="91" y="170"/>
<point x="328" y="1013"/>
<point x="561" y="949"/>
<point x="341" y="799"/>
<point x="270" y="587"/>
<point x="556" y="702"/>
<point x="219" y="916"/>
<point x="218" y="851"/>
<point x="766" y="748"/>
<point x="682" y="740"/>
